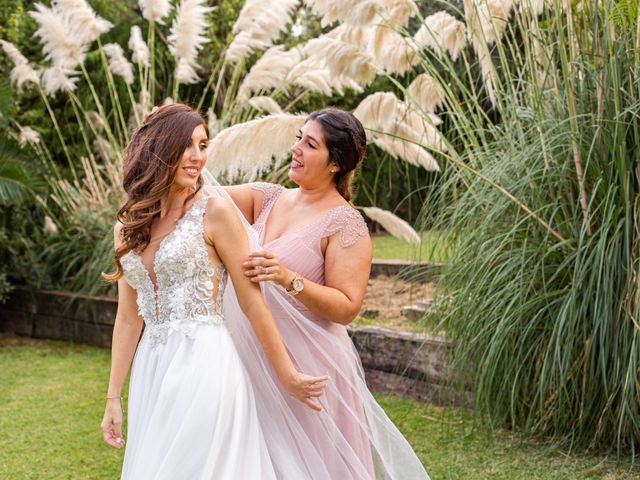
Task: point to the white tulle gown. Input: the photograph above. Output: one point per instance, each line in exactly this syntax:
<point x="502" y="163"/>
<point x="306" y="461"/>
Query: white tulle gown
<point x="191" y="408"/>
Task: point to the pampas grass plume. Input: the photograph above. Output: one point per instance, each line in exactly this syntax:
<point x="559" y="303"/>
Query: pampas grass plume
<point x="155" y="10"/>
<point x="388" y="118"/>
<point x="442" y="32"/>
<point x="187" y="38"/>
<point x="398" y="12"/>
<point x="392" y="51"/>
<point x="377" y="110"/>
<point x="269" y="72"/>
<point x="426" y="92"/>
<point x="487" y="19"/>
<point x="84" y="24"/>
<point x="28" y="135"/>
<point x="103" y="148"/>
<point x="265" y="104"/>
<point x="347" y="60"/>
<point x="56" y="79"/>
<point x="407" y="152"/>
<point x="60" y="45"/>
<point x="50" y="229"/>
<point x="249" y="149"/>
<point x="185" y="72"/>
<point x="392" y="224"/>
<point x="118" y="64"/>
<point x="258" y="25"/>
<point x="354" y="12"/>
<point x="22" y="73"/>
<point x="138" y="47"/>
<point x="95" y="120"/>
<point x="212" y="123"/>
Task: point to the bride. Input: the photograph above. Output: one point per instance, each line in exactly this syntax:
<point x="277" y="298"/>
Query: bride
<point x="192" y="410"/>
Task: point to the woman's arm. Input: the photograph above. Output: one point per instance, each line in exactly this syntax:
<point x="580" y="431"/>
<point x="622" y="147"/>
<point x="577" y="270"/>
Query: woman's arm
<point x="346" y="271"/>
<point x="126" y="333"/>
<point x="225" y="233"/>
<point x="246" y="199"/>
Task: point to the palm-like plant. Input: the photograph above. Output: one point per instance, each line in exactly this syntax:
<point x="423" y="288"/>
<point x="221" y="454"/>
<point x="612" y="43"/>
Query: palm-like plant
<point x="17" y="182"/>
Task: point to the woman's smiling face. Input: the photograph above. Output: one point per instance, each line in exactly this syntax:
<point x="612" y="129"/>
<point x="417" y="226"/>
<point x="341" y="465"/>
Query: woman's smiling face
<point x="310" y="165"/>
<point x="193" y="159"/>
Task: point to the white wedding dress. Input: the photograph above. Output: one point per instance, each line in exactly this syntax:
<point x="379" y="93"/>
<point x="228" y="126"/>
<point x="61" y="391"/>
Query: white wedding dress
<point x="191" y="407"/>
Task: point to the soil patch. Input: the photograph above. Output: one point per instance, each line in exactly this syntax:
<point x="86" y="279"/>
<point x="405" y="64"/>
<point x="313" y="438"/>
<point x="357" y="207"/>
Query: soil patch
<point x="385" y="298"/>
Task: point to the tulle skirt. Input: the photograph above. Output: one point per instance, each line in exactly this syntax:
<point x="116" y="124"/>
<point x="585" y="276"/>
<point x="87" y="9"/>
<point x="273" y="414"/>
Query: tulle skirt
<point x="192" y="413"/>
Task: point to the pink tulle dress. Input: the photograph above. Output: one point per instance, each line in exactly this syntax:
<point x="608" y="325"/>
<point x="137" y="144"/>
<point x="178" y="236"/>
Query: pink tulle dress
<point x="300" y="252"/>
<point x="352" y="438"/>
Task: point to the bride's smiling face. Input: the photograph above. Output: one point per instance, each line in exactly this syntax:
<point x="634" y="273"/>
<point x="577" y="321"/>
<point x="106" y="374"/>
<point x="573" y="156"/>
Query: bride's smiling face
<point x="193" y="159"/>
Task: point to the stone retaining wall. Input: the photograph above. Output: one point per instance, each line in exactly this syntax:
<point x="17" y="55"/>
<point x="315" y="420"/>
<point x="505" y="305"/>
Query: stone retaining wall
<point x="395" y="362"/>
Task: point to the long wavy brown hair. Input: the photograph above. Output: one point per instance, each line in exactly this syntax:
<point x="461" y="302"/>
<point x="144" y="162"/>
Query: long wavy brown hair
<point x="149" y="166"/>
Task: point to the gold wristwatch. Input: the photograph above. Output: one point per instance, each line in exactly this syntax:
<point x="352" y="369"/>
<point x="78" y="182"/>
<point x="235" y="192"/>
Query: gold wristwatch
<point x="297" y="285"/>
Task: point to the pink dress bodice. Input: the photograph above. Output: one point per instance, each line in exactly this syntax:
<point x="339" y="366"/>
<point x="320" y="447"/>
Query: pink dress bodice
<point x="300" y="250"/>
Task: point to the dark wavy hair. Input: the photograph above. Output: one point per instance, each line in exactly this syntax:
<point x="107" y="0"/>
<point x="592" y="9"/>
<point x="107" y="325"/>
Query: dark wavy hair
<point x="150" y="162"/>
<point x="346" y="141"/>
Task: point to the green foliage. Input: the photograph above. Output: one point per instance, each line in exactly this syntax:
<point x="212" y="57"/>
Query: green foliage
<point x="22" y="239"/>
<point x="5" y="286"/>
<point x="542" y="289"/>
<point x="17" y="183"/>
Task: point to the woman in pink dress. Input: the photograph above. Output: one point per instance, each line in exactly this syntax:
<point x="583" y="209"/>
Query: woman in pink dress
<point x="313" y="264"/>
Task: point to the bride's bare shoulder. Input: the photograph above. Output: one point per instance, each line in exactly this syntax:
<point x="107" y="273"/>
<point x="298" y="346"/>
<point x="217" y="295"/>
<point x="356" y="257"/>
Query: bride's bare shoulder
<point x="220" y="211"/>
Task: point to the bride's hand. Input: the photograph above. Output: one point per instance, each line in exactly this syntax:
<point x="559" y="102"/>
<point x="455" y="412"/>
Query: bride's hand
<point x="263" y="266"/>
<point x="304" y="388"/>
<point x="111" y="425"/>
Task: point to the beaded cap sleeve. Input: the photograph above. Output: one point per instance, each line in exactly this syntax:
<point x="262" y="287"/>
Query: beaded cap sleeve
<point x="271" y="193"/>
<point x="348" y="222"/>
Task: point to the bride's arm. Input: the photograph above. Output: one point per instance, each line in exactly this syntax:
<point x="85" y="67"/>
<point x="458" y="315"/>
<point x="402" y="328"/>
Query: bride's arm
<point x="225" y="233"/>
<point x="126" y="333"/>
<point x="346" y="271"/>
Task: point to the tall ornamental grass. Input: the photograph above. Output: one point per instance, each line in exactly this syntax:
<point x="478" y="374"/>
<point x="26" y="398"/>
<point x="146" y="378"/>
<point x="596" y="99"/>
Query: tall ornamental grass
<point x="542" y="292"/>
<point x="95" y="91"/>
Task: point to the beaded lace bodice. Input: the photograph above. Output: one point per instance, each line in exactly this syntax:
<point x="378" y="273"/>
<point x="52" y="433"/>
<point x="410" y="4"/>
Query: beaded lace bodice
<point x="183" y="296"/>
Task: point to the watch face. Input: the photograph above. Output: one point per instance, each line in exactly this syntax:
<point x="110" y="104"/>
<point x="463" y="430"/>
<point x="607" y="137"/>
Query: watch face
<point x="298" y="284"/>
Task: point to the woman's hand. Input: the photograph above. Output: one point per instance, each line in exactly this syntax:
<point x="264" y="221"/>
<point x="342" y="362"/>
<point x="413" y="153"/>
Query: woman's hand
<point x="304" y="388"/>
<point x="263" y="266"/>
<point x="111" y="425"/>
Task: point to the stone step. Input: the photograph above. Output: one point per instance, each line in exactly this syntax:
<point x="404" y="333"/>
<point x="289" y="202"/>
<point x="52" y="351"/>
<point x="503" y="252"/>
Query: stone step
<point x="413" y="312"/>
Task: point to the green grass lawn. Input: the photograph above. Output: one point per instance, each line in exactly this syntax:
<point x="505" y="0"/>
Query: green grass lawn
<point x="431" y="247"/>
<point x="51" y="404"/>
